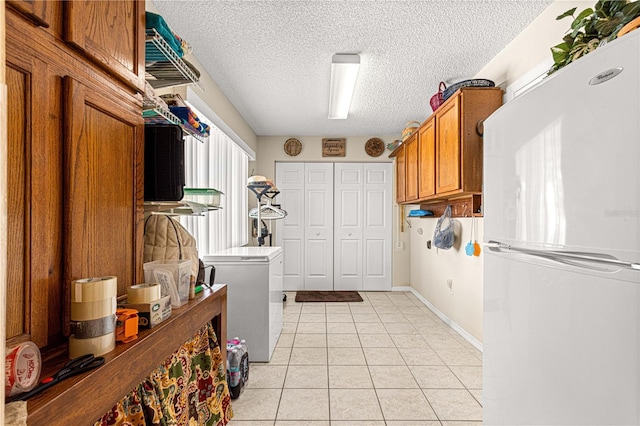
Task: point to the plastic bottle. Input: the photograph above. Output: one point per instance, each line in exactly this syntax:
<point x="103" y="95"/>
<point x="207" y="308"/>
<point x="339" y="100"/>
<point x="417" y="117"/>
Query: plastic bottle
<point x="244" y="361"/>
<point x="235" y="380"/>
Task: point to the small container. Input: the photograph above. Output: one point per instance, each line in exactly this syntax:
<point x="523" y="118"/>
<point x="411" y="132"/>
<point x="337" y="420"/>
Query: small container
<point x="207" y="196"/>
<point x="173" y="275"/>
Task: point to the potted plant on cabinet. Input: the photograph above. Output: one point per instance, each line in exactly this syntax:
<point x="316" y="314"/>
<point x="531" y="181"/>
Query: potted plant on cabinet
<point x="592" y="28"/>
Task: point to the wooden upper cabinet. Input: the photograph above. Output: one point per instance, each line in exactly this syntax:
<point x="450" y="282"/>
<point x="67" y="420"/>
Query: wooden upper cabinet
<point x="411" y="168"/>
<point x="400" y="174"/>
<point x="34" y="201"/>
<point x="111" y="34"/>
<point x="38" y="11"/>
<point x="458" y="145"/>
<point x="103" y="183"/>
<point x="426" y="159"/>
<point x="448" y="148"/>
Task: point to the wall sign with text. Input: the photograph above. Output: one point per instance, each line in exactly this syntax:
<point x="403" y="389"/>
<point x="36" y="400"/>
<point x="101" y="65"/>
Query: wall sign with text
<point x="334" y="147"/>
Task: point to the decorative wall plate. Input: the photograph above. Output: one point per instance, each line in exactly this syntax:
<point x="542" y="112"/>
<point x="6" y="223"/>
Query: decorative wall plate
<point x="374" y="147"/>
<point x="292" y="147"/>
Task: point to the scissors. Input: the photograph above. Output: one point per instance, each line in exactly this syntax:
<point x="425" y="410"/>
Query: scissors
<point x="71" y="368"/>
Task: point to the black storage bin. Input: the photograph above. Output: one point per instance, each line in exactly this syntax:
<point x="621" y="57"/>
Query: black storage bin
<point x="163" y="163"/>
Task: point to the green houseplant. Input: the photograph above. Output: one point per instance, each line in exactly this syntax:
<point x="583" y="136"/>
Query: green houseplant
<point x="591" y="28"/>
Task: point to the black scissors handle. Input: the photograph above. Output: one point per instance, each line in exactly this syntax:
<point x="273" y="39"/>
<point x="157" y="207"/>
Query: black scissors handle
<point x="75" y="366"/>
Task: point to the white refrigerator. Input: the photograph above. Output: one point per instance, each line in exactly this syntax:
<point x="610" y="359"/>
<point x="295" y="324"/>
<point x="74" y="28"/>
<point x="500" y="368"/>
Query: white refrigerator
<point x="254" y="278"/>
<point x="562" y="266"/>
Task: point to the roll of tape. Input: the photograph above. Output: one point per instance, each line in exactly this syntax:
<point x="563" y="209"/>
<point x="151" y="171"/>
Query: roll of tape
<point x="92" y="289"/>
<point x="143" y="293"/>
<point x="93" y="328"/>
<point x="22" y="368"/>
<point x="84" y="311"/>
<point x="94" y="345"/>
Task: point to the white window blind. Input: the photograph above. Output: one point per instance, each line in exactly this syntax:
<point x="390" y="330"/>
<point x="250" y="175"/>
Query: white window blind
<point x="221" y="164"/>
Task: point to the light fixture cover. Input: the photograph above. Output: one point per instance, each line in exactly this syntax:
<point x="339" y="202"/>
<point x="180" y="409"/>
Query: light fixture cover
<point x="344" y="72"/>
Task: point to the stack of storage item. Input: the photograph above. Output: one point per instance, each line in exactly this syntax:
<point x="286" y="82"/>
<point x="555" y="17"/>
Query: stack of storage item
<point x="93" y="316"/>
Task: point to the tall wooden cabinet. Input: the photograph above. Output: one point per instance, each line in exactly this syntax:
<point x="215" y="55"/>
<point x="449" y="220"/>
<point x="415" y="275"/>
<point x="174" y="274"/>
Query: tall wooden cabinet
<point x="411" y="168"/>
<point x="445" y="158"/>
<point x="75" y="149"/>
<point x="426" y="159"/>
<point x="400" y="174"/>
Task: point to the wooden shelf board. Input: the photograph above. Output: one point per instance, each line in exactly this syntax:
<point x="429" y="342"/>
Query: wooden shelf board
<point x="465" y="206"/>
<point x="82" y="399"/>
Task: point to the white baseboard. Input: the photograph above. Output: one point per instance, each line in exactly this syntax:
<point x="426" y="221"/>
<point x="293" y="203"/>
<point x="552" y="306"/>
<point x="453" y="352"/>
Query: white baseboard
<point x="401" y="288"/>
<point x="461" y="331"/>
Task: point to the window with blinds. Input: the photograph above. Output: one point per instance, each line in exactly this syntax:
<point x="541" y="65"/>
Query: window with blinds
<point x="221" y="164"/>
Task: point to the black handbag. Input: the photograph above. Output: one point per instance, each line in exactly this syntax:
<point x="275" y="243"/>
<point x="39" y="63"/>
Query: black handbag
<point x="202" y="274"/>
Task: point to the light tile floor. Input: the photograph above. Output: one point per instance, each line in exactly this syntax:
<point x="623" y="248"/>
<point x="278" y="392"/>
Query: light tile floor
<point x="387" y="360"/>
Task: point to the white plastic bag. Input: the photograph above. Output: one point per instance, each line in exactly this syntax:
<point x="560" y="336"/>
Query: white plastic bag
<point x="443" y="236"/>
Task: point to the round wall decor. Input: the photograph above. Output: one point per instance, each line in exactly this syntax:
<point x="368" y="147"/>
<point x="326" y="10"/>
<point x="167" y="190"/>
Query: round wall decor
<point x="292" y="147"/>
<point x="374" y="147"/>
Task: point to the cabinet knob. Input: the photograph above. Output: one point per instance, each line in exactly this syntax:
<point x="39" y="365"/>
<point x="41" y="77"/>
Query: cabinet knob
<point x="317" y="234"/>
<point x="349" y="234"/>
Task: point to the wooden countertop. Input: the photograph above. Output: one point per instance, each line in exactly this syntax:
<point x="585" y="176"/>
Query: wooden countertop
<point x="82" y="399"/>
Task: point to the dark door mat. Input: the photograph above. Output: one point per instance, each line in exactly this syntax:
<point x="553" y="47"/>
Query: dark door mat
<point x="328" y="296"/>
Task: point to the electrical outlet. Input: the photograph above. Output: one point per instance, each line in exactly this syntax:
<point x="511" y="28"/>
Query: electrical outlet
<point x="399" y="245"/>
<point x="450" y="285"/>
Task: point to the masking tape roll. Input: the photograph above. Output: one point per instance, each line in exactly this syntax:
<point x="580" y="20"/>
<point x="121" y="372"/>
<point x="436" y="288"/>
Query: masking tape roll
<point x="143" y="293"/>
<point x="94" y="345"/>
<point x="22" y="368"/>
<point x="85" y="311"/>
<point x="92" y="289"/>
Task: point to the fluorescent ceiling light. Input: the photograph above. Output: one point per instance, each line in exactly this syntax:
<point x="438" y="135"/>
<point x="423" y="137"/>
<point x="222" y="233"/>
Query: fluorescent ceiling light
<point x="344" y="71"/>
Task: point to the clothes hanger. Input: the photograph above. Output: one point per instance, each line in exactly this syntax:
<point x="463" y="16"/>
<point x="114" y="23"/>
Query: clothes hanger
<point x="267" y="211"/>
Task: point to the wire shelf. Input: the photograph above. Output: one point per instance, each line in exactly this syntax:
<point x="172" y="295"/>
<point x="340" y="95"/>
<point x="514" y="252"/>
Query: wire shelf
<point x="163" y="65"/>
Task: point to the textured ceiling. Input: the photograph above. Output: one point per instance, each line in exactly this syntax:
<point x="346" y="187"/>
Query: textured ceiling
<point x="272" y="59"/>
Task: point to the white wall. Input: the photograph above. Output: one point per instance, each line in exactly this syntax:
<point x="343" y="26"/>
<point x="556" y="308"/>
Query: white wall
<point x="430" y="269"/>
<point x="271" y="149"/>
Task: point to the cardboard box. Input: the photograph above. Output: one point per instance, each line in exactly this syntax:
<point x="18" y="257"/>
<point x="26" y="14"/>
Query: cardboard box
<point x="153" y="313"/>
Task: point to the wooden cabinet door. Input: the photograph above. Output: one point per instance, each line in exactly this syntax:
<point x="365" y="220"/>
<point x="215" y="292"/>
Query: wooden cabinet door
<point x="39" y="11"/>
<point x="111" y="34"/>
<point x="103" y="183"/>
<point x="400" y="175"/>
<point x="34" y="201"/>
<point x="448" y="147"/>
<point x="411" y="167"/>
<point x="426" y="159"/>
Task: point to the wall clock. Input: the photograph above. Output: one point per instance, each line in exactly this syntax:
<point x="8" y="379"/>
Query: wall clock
<point x="292" y="147"/>
<point x="374" y="147"/>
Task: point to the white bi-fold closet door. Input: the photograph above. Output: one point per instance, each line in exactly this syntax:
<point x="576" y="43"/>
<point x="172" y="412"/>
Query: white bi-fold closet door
<point x="337" y="234"/>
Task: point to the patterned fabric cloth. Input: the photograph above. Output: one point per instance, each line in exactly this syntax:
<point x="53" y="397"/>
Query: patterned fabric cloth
<point x="189" y="388"/>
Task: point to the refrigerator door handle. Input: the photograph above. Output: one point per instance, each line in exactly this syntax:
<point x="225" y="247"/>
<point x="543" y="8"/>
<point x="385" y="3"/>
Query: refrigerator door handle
<point x="569" y="258"/>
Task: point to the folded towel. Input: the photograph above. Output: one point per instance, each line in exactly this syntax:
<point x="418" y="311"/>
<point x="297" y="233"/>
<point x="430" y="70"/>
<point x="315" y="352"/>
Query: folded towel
<point x="158" y="23"/>
<point x="187" y="116"/>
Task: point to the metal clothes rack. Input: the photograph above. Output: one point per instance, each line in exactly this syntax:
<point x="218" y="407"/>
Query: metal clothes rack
<point x="261" y="189"/>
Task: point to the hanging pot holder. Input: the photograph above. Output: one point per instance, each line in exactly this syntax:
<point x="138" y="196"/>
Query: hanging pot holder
<point x="443" y="236"/>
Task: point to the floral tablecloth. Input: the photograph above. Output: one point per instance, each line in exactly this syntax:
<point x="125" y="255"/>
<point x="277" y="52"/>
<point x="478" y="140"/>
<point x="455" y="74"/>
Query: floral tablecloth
<point x="189" y="388"/>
